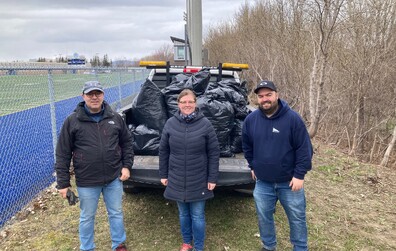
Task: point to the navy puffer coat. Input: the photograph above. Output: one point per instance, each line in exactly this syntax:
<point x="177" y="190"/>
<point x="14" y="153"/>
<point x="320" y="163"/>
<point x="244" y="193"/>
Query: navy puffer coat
<point x="189" y="158"/>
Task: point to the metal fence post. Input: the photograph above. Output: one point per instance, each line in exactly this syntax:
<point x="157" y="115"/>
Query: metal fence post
<point x="133" y="81"/>
<point x="51" y="92"/>
<point x="119" y="105"/>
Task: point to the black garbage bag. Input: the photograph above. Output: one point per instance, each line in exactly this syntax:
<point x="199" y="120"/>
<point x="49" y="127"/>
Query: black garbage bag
<point x="197" y="82"/>
<point x="238" y="87"/>
<point x="233" y="92"/>
<point x="221" y="115"/>
<point x="215" y="92"/>
<point x="236" y="136"/>
<point x="148" y="107"/>
<point x="180" y="78"/>
<point x="170" y="94"/>
<point x="241" y="110"/>
<point x="146" y="141"/>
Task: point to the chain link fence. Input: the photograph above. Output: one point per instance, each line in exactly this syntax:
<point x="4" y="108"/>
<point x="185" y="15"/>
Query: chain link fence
<point x="34" y="102"/>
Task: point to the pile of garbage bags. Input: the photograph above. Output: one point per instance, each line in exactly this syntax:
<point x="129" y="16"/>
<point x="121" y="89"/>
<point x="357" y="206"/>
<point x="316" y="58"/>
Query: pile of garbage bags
<point x="224" y="103"/>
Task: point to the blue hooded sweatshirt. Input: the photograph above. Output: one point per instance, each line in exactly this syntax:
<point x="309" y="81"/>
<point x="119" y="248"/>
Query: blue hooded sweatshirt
<point x="277" y="148"/>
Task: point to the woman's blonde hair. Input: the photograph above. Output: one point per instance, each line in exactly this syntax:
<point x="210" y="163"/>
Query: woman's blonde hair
<point x="186" y="92"/>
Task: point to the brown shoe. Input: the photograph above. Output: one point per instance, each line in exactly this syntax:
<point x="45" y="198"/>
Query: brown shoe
<point x="186" y="247"/>
<point x="121" y="247"/>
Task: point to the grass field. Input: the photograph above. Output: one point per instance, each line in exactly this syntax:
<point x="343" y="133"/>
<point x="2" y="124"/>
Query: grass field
<point x="21" y="92"/>
<point x="350" y="206"/>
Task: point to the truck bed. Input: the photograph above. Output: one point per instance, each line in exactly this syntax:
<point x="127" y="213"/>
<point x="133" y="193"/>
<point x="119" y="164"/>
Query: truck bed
<point x="234" y="172"/>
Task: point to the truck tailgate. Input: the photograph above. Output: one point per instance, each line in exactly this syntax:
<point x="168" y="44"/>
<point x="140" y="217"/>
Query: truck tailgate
<point x="234" y="172"/>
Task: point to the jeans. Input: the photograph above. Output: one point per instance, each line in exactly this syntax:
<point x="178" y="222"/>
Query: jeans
<point x="89" y="198"/>
<point x="266" y="196"/>
<point x="192" y="222"/>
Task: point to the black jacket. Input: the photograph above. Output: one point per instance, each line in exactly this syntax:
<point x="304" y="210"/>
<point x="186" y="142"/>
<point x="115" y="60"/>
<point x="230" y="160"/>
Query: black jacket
<point x="99" y="149"/>
<point x="189" y="158"/>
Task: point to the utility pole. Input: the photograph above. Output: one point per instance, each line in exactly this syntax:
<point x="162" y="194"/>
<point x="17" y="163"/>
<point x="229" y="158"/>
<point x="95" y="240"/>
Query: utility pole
<point x="187" y="54"/>
<point x="194" y="30"/>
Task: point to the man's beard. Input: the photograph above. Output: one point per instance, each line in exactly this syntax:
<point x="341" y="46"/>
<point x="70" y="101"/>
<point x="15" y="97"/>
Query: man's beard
<point x="271" y="110"/>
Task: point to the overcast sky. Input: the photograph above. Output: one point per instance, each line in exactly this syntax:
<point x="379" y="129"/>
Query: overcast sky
<point x="122" y="29"/>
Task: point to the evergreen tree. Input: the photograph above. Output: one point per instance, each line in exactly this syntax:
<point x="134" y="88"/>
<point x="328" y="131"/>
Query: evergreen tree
<point x="106" y="62"/>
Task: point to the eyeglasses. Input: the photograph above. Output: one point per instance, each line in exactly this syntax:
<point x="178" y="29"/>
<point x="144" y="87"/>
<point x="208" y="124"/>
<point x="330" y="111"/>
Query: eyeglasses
<point x="187" y="102"/>
<point x="96" y="94"/>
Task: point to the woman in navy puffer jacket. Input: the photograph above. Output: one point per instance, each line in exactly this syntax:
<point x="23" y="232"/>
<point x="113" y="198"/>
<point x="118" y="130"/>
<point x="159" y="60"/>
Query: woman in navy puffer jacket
<point x="189" y="166"/>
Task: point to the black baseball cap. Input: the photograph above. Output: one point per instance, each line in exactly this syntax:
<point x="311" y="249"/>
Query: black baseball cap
<point x="265" y="84"/>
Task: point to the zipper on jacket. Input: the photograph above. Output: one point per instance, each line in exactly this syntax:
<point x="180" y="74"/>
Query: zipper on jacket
<point x="185" y="163"/>
<point x="101" y="151"/>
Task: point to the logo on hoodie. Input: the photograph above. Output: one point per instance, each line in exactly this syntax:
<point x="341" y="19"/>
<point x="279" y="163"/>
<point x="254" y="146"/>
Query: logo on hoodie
<point x="274" y="130"/>
<point x="111" y="122"/>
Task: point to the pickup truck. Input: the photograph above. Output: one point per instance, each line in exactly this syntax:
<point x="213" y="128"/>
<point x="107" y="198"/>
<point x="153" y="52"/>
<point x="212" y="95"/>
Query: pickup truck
<point x="234" y="172"/>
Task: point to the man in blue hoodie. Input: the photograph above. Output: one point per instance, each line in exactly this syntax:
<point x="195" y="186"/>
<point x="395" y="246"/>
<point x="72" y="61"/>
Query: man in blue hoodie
<point x="278" y="149"/>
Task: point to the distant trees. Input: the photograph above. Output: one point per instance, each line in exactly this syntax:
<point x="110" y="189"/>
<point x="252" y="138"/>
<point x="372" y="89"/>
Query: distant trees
<point x="164" y="53"/>
<point x="61" y="59"/>
<point x="333" y="60"/>
<point x="106" y="62"/>
<point x="96" y="62"/>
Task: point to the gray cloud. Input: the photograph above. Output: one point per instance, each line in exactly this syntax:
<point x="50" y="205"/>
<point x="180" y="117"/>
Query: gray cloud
<point x="119" y="28"/>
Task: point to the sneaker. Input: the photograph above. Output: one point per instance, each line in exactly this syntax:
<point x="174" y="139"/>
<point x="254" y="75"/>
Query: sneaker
<point x="121" y="247"/>
<point x="186" y="247"/>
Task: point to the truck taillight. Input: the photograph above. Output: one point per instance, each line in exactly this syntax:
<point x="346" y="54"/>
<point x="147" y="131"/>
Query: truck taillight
<point x="191" y="70"/>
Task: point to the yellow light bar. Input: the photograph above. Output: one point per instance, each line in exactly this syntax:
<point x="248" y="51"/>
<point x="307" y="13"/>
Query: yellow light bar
<point x="152" y="63"/>
<point x="235" y="66"/>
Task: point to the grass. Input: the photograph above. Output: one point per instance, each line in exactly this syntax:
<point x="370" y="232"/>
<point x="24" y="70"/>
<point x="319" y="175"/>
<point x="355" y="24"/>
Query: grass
<point x="350" y="206"/>
<point x="22" y="92"/>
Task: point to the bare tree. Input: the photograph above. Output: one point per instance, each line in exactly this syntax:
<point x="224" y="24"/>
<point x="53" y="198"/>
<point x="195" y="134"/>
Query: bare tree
<point x="326" y="13"/>
<point x="370" y="44"/>
<point x="333" y="60"/>
<point x="164" y="53"/>
<point x="388" y="151"/>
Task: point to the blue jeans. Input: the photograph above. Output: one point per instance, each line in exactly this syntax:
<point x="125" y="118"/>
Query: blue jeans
<point x="192" y="222"/>
<point x="89" y="198"/>
<point x="266" y="196"/>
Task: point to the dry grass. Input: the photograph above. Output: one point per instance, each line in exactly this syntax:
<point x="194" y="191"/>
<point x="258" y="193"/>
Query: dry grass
<point x="351" y="206"/>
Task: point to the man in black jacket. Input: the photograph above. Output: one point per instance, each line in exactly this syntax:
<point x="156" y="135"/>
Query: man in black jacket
<point x="101" y="147"/>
